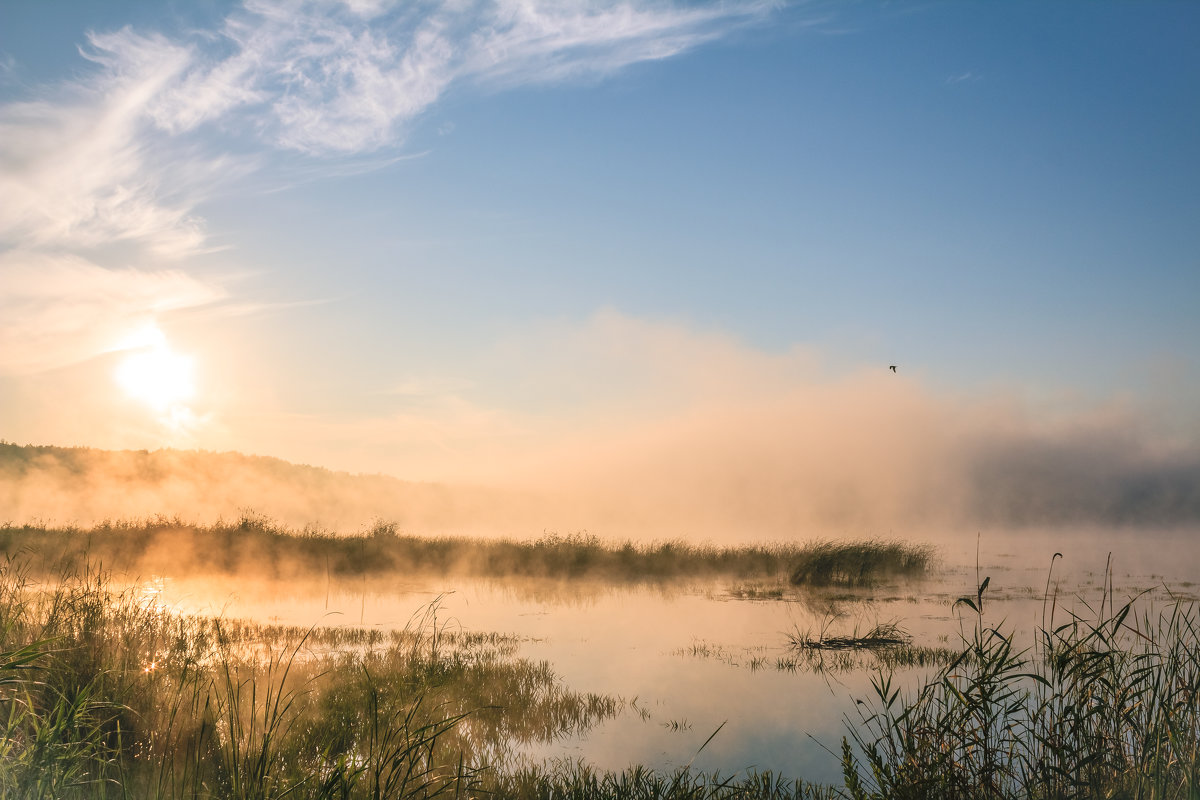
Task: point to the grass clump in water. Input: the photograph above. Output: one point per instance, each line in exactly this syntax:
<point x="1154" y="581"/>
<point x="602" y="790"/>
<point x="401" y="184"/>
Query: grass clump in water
<point x="859" y="563"/>
<point x="884" y="644"/>
<point x="879" y="636"/>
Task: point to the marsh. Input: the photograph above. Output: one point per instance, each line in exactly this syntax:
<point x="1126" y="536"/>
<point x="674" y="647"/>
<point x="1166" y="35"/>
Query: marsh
<point x="552" y="656"/>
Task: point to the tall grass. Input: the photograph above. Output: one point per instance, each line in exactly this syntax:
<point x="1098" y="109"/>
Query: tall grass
<point x="859" y="563"/>
<point x="105" y="695"/>
<point x="578" y="781"/>
<point x="254" y="544"/>
<point x="1103" y="704"/>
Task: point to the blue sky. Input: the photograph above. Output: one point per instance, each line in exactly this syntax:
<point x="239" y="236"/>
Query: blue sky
<point x="398" y="238"/>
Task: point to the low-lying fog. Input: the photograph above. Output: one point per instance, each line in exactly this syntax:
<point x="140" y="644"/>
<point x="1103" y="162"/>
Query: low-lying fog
<point x="778" y="472"/>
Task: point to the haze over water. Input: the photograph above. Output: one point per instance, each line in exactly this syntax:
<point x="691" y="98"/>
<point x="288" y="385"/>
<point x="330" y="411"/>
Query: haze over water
<point x="687" y="657"/>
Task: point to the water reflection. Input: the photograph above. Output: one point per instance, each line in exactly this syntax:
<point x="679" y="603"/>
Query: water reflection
<point x="688" y="658"/>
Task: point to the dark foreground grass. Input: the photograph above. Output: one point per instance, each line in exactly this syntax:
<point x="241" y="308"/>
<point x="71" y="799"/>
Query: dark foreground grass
<point x="256" y="545"/>
<point x="1105" y="704"/>
<point x="575" y="781"/>
<point x="105" y="696"/>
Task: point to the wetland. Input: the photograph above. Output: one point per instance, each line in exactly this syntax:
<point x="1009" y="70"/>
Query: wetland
<point x="160" y="659"/>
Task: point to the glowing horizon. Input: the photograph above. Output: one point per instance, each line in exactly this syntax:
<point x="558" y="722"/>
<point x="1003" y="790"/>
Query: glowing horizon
<point x="521" y="243"/>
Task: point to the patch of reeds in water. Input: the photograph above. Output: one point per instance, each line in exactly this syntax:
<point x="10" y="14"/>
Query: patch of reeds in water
<point x="883" y="645"/>
<point x="859" y="563"/>
<point x="881" y="635"/>
<point x="256" y="545"/>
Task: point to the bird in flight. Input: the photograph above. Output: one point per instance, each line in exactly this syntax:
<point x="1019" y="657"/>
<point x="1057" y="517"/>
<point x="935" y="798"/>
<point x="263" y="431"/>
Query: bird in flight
<point x="892" y="367"/>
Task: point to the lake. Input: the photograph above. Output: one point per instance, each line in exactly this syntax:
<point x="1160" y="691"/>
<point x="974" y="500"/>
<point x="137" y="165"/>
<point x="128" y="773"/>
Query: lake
<point x="691" y="659"/>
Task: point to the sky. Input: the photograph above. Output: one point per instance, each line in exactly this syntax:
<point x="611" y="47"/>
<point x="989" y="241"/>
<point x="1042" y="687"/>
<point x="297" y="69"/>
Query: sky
<point x="473" y="240"/>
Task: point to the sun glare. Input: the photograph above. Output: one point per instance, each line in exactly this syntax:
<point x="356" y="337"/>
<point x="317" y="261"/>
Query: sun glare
<point x="156" y="375"/>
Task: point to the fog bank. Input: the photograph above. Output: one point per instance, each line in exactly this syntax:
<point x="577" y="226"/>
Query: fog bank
<point x="774" y="471"/>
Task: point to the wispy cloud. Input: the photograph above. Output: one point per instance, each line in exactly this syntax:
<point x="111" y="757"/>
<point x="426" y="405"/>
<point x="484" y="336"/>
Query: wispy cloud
<point x="108" y="158"/>
<point x="330" y="77"/>
<point x="963" y="77"/>
<point x="539" y="42"/>
<point x="127" y="154"/>
<point x="77" y="172"/>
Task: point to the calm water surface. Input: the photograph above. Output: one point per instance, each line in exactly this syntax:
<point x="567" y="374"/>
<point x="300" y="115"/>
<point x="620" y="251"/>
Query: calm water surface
<point x="689" y="658"/>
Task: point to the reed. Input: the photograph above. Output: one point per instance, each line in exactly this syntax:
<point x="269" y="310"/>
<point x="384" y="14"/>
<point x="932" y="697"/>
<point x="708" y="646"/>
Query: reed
<point x="103" y="695"/>
<point x="859" y="563"/>
<point x="256" y="545"/>
<point x="883" y="646"/>
<point x="578" y="781"/>
<point x="1104" y="703"/>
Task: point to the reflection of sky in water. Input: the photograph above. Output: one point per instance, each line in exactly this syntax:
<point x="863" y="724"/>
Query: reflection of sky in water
<point x="638" y="641"/>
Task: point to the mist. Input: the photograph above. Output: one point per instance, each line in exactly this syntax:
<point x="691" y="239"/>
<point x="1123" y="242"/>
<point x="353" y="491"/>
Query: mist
<point x="85" y="486"/>
<point x="865" y="455"/>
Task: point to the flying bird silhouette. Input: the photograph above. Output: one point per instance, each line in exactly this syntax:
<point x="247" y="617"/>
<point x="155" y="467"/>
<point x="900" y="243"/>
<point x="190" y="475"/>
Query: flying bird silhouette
<point x="892" y="367"/>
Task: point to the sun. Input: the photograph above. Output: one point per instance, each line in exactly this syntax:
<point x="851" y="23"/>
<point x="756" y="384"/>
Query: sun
<point x="156" y="375"/>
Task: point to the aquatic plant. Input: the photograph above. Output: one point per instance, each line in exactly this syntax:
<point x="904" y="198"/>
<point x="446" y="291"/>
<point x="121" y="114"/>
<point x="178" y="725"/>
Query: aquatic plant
<point x="882" y="634"/>
<point x="884" y="645"/>
<point x="859" y="563"/>
<point x="578" y="781"/>
<point x="103" y="694"/>
<point x="255" y="545"/>
<point x="1103" y="704"/>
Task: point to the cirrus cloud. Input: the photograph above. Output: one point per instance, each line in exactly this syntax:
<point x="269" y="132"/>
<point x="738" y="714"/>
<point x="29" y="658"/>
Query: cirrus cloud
<point x="127" y="154"/>
<point x="333" y="78"/>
